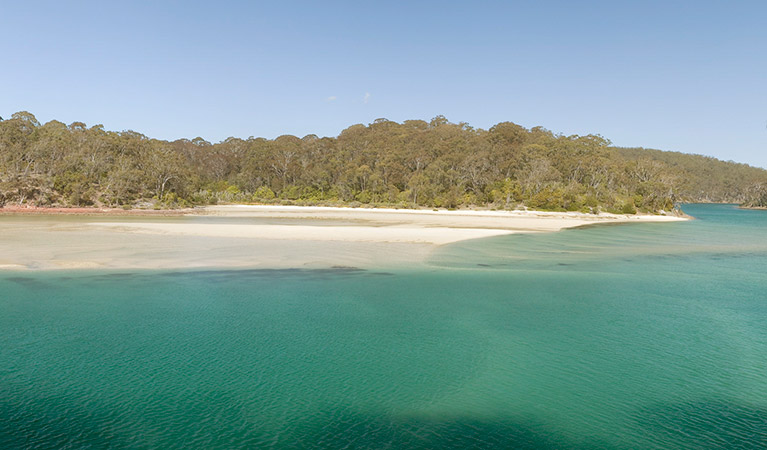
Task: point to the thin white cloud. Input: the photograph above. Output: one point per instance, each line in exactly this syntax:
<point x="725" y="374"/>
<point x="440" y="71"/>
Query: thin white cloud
<point x="366" y="98"/>
<point x="332" y="98"/>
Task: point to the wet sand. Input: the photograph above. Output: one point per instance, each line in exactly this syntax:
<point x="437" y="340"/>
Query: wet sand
<point x="262" y="236"/>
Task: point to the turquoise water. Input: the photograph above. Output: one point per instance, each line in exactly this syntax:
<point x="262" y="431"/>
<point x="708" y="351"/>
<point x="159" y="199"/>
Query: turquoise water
<point x="631" y="336"/>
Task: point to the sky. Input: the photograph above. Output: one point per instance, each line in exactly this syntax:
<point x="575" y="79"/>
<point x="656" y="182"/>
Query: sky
<point x="687" y="76"/>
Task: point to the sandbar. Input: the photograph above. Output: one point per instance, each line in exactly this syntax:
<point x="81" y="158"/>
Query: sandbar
<point x="266" y="236"/>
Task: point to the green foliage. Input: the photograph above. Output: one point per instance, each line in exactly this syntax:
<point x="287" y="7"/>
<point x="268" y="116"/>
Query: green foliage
<point x="550" y="198"/>
<point x="756" y="196"/>
<point x="435" y="164"/>
<point x="263" y="193"/>
<point x="629" y="208"/>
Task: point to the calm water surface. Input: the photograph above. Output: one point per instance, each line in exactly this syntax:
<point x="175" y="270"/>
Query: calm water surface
<point x="631" y="336"/>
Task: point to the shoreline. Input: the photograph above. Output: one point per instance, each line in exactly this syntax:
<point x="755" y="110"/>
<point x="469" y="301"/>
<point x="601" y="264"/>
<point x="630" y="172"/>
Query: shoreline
<point x="241" y="208"/>
<point x="261" y="236"/>
<point x="90" y="211"/>
<point x="434" y="227"/>
<point x="232" y="208"/>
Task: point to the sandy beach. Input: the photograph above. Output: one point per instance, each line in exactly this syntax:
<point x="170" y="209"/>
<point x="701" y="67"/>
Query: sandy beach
<point x="263" y="236"/>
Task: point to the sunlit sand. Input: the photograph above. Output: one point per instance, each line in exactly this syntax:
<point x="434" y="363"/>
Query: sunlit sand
<point x="264" y="236"/>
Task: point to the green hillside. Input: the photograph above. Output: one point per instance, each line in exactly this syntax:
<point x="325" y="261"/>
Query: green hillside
<point x="411" y="164"/>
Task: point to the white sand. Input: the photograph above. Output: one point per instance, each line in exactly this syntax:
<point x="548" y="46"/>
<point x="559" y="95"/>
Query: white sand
<point x="443" y="216"/>
<point x="264" y="236"/>
<point x="355" y="233"/>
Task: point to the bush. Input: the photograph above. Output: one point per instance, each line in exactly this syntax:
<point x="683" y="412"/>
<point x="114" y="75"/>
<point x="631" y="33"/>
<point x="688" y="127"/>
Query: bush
<point x="629" y="208"/>
<point x="263" y="193"/>
<point x="364" y="197"/>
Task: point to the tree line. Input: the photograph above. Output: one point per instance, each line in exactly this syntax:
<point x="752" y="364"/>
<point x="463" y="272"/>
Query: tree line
<point x="416" y="163"/>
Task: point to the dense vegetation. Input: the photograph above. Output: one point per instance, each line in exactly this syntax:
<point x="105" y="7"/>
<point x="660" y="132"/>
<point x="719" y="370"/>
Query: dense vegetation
<point x="706" y="179"/>
<point x="415" y="163"/>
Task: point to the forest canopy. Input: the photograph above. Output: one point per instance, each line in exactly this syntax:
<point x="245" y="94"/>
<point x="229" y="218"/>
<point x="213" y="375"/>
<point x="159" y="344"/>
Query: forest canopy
<point x="435" y="164"/>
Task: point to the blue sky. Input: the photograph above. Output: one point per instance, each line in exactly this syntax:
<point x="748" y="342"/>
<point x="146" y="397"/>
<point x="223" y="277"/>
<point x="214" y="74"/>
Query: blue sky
<point x="683" y="76"/>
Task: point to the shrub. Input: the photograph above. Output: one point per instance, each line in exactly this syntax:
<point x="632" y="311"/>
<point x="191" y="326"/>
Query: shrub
<point x="629" y="208"/>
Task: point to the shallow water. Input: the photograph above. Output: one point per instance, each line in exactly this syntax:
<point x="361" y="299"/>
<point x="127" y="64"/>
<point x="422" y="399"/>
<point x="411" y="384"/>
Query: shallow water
<point x="631" y="336"/>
